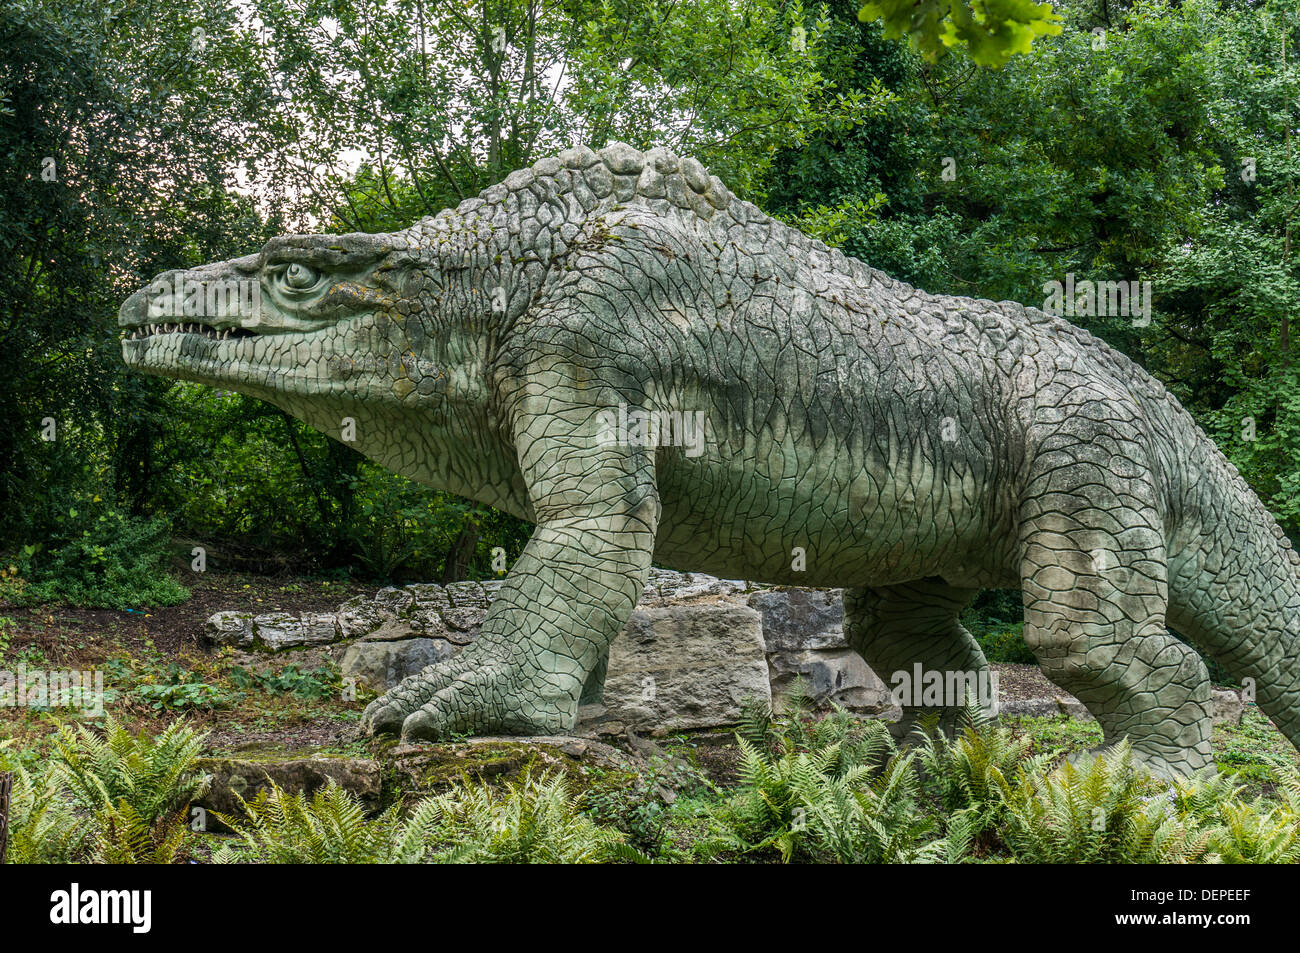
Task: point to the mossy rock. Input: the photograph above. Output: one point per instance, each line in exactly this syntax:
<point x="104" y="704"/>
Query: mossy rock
<point x="419" y="770"/>
<point x="248" y="772"/>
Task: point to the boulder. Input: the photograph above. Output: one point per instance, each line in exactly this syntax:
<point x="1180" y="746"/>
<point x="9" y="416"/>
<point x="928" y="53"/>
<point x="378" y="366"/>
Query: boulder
<point x="803" y="631"/>
<point x="382" y="663"/>
<point x="800" y="620"/>
<point x="229" y="628"/>
<point x="684" y="667"/>
<point x="837" y="676"/>
<point x="247" y="774"/>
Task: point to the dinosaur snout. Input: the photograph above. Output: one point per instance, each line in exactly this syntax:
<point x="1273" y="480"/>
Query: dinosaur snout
<point x="134" y="309"/>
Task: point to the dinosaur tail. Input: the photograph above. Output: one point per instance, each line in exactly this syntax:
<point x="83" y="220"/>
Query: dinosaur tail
<point x="1234" y="584"/>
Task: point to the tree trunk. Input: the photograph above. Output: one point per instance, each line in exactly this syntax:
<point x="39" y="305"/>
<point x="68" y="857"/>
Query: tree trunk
<point x="461" y="553"/>
<point x="6" y="784"/>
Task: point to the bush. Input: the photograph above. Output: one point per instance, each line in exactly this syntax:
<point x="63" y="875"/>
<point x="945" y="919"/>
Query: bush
<point x="101" y="558"/>
<point x="966" y="775"/>
<point x="807" y="791"/>
<point x="996" y="620"/>
<point x="1106" y="813"/>
<point x="534" y="821"/>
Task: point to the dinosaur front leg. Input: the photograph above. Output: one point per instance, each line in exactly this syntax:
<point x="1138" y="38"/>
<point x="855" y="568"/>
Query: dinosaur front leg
<point x="548" y="632"/>
<point x="897" y="628"/>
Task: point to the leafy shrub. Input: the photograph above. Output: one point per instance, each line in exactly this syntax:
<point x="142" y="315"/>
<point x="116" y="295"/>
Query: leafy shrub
<point x="124" y="836"/>
<point x="633" y="808"/>
<point x="7" y="626"/>
<point x="1107" y="813"/>
<point x="966" y="774"/>
<point x="816" y="806"/>
<point x="996" y="620"/>
<point x="103" y="558"/>
<point x="1256" y="833"/>
<point x="183" y="689"/>
<point x="531" y="821"/>
<point x="1007" y="644"/>
<point x="807" y="790"/>
<point x="313" y="684"/>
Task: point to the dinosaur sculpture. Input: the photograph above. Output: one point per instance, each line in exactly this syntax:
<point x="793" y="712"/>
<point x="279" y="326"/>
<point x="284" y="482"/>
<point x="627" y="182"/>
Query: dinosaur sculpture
<point x="859" y="432"/>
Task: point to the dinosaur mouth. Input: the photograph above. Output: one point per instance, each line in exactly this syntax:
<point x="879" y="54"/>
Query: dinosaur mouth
<point x="202" y="330"/>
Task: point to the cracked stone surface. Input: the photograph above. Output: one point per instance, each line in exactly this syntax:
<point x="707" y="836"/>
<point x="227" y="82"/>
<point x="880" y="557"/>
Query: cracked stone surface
<point x="614" y="347"/>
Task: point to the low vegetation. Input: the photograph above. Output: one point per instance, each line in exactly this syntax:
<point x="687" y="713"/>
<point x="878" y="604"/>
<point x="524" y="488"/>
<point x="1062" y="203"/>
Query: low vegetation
<point x="835" y="789"/>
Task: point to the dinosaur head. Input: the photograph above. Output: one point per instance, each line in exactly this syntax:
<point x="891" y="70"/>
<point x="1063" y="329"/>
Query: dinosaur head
<point x="307" y="319"/>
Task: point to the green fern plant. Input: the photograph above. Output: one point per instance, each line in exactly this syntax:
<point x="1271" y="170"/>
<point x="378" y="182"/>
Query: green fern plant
<point x="1260" y="832"/>
<point x="156" y="777"/>
<point x="125" y="836"/>
<point x="530" y="821"/>
<point x="966" y="774"/>
<point x="1102" y="814"/>
<point x="329" y="828"/>
<point x="821" y="805"/>
<point x="43" y="827"/>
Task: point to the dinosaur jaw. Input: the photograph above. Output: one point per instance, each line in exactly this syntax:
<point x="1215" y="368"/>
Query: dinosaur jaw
<point x="145" y="331"/>
<point x="234" y="358"/>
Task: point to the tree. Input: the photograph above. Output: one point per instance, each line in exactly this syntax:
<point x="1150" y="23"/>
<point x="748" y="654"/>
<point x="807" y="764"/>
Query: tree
<point x="991" y="31"/>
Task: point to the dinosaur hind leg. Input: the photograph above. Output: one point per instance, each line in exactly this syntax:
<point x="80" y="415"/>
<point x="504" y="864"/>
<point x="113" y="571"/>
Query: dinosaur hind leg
<point x="1094" y="579"/>
<point x="898" y="628"/>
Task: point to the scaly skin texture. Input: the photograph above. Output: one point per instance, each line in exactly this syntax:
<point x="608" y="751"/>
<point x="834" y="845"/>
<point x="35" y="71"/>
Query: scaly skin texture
<point x="860" y="433"/>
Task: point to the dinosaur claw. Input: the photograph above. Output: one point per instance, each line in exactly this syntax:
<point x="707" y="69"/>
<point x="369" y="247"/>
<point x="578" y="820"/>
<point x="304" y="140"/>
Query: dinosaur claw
<point x="383" y="719"/>
<point x="421" y="725"/>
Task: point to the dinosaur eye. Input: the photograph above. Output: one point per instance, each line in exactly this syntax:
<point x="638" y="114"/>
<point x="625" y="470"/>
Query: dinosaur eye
<point x="299" y="277"/>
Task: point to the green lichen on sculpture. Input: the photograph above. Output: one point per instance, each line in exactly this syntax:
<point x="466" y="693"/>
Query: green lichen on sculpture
<point x="859" y="432"/>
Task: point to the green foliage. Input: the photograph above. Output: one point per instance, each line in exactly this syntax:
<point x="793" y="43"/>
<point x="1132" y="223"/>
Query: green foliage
<point x="330" y="828"/>
<point x="1106" y="813"/>
<point x="1252" y="750"/>
<point x="966" y="774"/>
<point x="1058" y="733"/>
<point x="833" y="224"/>
<point x="43" y="827"/>
<point x="808" y="792"/>
<point x="125" y="836"/>
<point x="103" y="558"/>
<point x="996" y="619"/>
<point x="314" y="684"/>
<point x="533" y="820"/>
<point x="183" y="689"/>
<point x="992" y="31"/>
<point x="152" y="777"/>
<point x="7" y="626"/>
<point x="634" y="807"/>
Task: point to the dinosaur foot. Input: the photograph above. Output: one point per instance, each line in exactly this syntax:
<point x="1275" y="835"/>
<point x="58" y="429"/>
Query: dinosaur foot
<point x="1160" y="765"/>
<point x="466" y="696"/>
